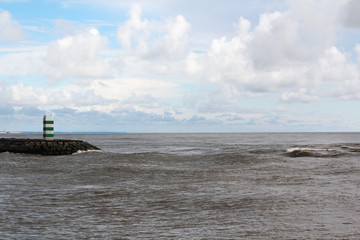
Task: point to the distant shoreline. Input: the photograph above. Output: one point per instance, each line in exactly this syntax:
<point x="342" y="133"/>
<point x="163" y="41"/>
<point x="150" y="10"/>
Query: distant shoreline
<point x="6" y="132"/>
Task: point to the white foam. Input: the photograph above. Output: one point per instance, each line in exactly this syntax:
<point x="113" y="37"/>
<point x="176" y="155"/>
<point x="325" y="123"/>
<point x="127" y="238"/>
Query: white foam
<point x="299" y="149"/>
<point x="86" y="151"/>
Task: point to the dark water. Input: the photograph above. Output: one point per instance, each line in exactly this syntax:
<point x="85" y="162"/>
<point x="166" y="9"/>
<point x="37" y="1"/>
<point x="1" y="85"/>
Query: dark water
<point x="186" y="186"/>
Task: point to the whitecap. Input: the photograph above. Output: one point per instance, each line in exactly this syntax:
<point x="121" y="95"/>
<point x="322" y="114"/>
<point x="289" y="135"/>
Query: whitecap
<point x="300" y="149"/>
<point x="86" y="151"/>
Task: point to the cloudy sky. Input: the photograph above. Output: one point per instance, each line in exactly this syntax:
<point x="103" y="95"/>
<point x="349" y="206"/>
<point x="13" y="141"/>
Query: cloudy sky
<point x="180" y="65"/>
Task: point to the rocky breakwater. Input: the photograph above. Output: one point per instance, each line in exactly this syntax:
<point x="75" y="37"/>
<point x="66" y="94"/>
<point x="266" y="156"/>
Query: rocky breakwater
<point x="44" y="147"/>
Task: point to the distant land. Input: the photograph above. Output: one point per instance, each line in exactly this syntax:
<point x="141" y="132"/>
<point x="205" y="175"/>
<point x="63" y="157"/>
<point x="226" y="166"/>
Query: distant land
<point x="31" y="132"/>
<point x="7" y="132"/>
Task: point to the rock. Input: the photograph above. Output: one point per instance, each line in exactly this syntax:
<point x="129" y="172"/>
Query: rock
<point x="44" y="147"/>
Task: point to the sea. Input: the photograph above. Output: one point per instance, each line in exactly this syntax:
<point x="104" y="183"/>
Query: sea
<point x="186" y="186"/>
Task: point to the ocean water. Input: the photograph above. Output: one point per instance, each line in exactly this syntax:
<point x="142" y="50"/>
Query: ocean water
<point x="186" y="186"/>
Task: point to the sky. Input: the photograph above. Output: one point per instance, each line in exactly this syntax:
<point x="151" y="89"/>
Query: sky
<point x="180" y="66"/>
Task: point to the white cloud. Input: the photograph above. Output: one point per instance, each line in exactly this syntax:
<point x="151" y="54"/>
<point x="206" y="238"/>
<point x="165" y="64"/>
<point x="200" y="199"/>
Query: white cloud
<point x="132" y="29"/>
<point x="124" y="88"/>
<point x="175" y="41"/>
<point x="76" y="56"/>
<point x="337" y="70"/>
<point x="193" y="65"/>
<point x="290" y="55"/>
<point x="154" y="39"/>
<point x="10" y="29"/>
<point x="334" y="66"/>
<point x="292" y="52"/>
<point x="22" y="95"/>
<point x="23" y="62"/>
<point x="303" y="96"/>
<point x="357" y="50"/>
<point x="145" y="95"/>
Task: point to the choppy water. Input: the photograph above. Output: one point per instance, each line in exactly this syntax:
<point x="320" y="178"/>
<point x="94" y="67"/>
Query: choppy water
<point x="186" y="186"/>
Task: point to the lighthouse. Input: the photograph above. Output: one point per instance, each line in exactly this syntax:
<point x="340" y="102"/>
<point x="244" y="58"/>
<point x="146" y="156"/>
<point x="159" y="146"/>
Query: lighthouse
<point x="48" y="130"/>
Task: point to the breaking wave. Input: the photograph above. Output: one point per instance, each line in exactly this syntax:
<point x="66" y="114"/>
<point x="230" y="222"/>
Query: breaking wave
<point x="86" y="151"/>
<point x="312" y="152"/>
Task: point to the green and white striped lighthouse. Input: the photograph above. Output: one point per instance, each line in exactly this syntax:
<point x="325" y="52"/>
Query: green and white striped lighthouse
<point x="48" y="130"/>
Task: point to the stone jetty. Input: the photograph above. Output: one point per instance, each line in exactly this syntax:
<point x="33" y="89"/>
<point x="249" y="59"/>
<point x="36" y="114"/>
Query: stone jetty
<point x="44" y="147"/>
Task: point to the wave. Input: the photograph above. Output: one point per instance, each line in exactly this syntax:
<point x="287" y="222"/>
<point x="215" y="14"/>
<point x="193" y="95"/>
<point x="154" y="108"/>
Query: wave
<point x="87" y="151"/>
<point x="240" y="154"/>
<point x="312" y="152"/>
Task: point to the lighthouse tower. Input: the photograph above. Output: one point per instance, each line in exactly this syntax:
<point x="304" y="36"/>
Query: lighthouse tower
<point x="48" y="130"/>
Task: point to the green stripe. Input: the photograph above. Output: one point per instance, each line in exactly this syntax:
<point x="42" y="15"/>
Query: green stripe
<point x="49" y="122"/>
<point x="48" y="129"/>
<point x="48" y="135"/>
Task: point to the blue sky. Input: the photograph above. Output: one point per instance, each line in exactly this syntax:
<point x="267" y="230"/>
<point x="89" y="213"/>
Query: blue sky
<point x="180" y="66"/>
